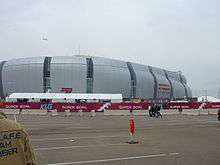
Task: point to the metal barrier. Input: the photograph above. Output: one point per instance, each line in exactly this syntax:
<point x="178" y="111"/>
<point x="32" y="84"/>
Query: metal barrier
<point x="190" y="112"/>
<point x="11" y="111"/>
<point x="170" y="112"/>
<point x="117" y="112"/>
<point x="54" y="112"/>
<point x="33" y="112"/>
<point x="212" y="111"/>
<point x="68" y="113"/>
<point x="125" y="112"/>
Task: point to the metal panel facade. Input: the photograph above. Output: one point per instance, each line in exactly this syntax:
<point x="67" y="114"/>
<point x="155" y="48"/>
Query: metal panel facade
<point x="189" y="92"/>
<point x="163" y="85"/>
<point x="183" y="78"/>
<point x="1" y="83"/>
<point x="145" y="81"/>
<point x="68" y="72"/>
<point x="23" y="75"/>
<point x="107" y="76"/>
<point x="178" y="88"/>
<point x="111" y="76"/>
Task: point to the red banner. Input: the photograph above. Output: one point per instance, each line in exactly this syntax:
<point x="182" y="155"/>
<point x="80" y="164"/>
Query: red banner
<point x="30" y="105"/>
<point x="182" y="105"/>
<point x="129" y="106"/>
<point x="87" y="107"/>
<point x="75" y="106"/>
<point x="192" y="105"/>
<point x="61" y="107"/>
<point x="212" y="105"/>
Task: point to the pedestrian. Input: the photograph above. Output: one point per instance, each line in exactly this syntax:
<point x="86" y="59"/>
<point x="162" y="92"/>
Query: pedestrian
<point x="154" y="110"/>
<point x="15" y="146"/>
<point x="157" y="109"/>
<point x="151" y="111"/>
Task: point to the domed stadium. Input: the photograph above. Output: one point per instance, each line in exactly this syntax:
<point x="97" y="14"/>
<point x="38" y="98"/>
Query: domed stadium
<point x="86" y="74"/>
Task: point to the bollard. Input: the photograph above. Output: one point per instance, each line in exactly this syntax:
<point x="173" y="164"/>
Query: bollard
<point x="146" y="113"/>
<point x="131" y="113"/>
<point x="208" y="112"/>
<point x="80" y="112"/>
<point x="20" y="110"/>
<point x="54" y="112"/>
<point x="92" y="113"/>
<point x="67" y="112"/>
<point x="132" y="132"/>
<point x="15" y="119"/>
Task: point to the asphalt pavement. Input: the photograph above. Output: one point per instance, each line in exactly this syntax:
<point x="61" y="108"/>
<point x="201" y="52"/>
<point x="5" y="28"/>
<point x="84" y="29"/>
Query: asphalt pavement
<point x="101" y="140"/>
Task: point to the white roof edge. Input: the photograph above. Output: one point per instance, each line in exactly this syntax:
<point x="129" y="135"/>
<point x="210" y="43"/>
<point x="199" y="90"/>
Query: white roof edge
<point x="209" y="98"/>
<point x="65" y="95"/>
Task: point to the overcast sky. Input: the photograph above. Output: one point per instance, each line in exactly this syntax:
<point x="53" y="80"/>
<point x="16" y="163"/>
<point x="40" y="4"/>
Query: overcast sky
<point x="171" y="34"/>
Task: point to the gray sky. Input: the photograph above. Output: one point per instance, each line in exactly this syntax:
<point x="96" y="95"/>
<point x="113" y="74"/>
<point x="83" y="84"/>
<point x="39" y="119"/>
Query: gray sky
<point x="172" y="34"/>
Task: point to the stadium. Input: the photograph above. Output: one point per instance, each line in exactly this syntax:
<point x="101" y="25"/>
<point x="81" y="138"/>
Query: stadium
<point x="86" y="74"/>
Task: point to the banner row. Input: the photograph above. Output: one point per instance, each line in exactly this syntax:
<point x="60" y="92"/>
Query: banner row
<point x="60" y="107"/>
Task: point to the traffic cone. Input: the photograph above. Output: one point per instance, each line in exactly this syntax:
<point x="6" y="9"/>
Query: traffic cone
<point x="132" y="132"/>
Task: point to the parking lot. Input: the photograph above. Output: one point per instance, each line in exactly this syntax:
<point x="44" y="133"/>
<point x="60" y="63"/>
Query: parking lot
<point x="174" y="139"/>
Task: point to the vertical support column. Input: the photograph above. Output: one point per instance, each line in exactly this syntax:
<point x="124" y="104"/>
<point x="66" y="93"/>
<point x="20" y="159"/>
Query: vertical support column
<point x="46" y="74"/>
<point x="2" y="95"/>
<point x="171" y="85"/>
<point x="89" y="75"/>
<point x="182" y="82"/>
<point x="155" y="82"/>
<point x="133" y="80"/>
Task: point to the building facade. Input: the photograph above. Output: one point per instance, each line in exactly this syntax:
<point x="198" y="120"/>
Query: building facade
<point x="86" y="74"/>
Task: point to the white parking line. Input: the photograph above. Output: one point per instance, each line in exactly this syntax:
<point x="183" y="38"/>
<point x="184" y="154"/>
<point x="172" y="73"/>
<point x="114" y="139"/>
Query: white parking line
<point x="71" y="147"/>
<point x="69" y="138"/>
<point x="49" y="124"/>
<point x="181" y="123"/>
<point x="116" y="159"/>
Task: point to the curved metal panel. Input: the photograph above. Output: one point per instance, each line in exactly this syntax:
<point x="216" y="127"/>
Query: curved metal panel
<point x="145" y="82"/>
<point x="183" y="82"/>
<point x="171" y="84"/>
<point x="178" y="88"/>
<point x="179" y="91"/>
<point x="68" y="72"/>
<point x="23" y="75"/>
<point x="133" y="80"/>
<point x="183" y="79"/>
<point x="46" y="78"/>
<point x="187" y="88"/>
<point x="1" y="83"/>
<point x="89" y="76"/>
<point x="163" y="85"/>
<point x="111" y="76"/>
<point x="155" y="82"/>
<point x="189" y="92"/>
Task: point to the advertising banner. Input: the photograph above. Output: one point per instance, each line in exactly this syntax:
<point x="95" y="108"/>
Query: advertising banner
<point x="87" y="107"/>
<point x="129" y="106"/>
